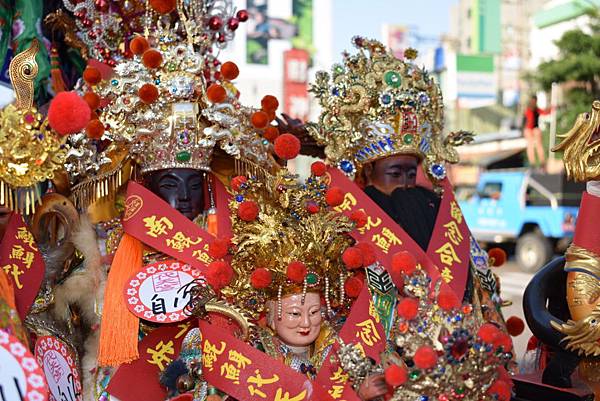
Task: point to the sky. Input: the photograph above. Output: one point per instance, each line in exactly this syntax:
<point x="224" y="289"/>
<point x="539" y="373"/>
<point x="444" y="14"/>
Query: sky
<point x="427" y="18"/>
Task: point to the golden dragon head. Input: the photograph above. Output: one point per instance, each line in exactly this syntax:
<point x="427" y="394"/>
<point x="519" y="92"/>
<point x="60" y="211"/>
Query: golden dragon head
<point x="581" y="146"/>
<point x="582" y="336"/>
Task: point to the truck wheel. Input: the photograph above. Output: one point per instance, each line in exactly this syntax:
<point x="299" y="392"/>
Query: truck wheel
<point x="533" y="251"/>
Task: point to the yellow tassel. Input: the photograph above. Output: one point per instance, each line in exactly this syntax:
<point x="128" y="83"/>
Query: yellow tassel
<point x="119" y="327"/>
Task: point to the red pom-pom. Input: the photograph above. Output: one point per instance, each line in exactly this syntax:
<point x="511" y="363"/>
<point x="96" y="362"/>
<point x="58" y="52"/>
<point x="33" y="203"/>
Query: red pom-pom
<point x="230" y="70"/>
<point x="92" y="99"/>
<point x="403" y="262"/>
<point x="91" y="75"/>
<point x="68" y="113"/>
<point x="368" y="253"/>
<point x="425" y="357"/>
<point x="352" y="258"/>
<point x="497" y="256"/>
<point x="408" y="308"/>
<point x="271" y="133"/>
<point x="287" y="146"/>
<point x="248" y="210"/>
<point x="515" y="326"/>
<point x="216" y="93"/>
<point x="488" y="333"/>
<point x="259" y="120"/>
<point x="94" y="129"/>
<point x="269" y="103"/>
<point x="163" y="6"/>
<point x="148" y="93"/>
<point x="353" y="286"/>
<point x="395" y="375"/>
<point x="318" y="169"/>
<point x="296" y="271"/>
<point x="138" y="45"/>
<point x="312" y="207"/>
<point x="219" y="274"/>
<point x="237" y="181"/>
<point x="218" y="248"/>
<point x="334" y="196"/>
<point x="359" y="217"/>
<point x="152" y="58"/>
<point x="501" y="389"/>
<point x="503" y="340"/>
<point x="260" y="278"/>
<point x="447" y="299"/>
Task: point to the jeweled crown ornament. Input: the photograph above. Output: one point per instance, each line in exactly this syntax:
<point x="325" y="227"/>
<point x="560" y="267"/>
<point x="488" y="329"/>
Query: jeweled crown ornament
<point x="375" y="105"/>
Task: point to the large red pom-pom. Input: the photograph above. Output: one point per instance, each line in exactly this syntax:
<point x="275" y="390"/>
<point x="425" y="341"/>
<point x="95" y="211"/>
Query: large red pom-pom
<point x="425" y="357"/>
<point x="148" y="93"/>
<point x="68" y="113"/>
<point x="216" y="93"/>
<point x="91" y="75"/>
<point x="92" y="99"/>
<point x="334" y="196"/>
<point x="318" y="169"/>
<point x="218" y="248"/>
<point x="138" y="45"/>
<point x="359" y="217"/>
<point x="497" y="256"/>
<point x="269" y="103"/>
<point x="395" y="375"/>
<point x="352" y="258"/>
<point x="353" y="286"/>
<point x="515" y="326"/>
<point x="163" y="6"/>
<point x="271" y="133"/>
<point x="259" y="119"/>
<point x="286" y="146"/>
<point x="152" y="58"/>
<point x="237" y="181"/>
<point x="312" y="207"/>
<point x="260" y="278"/>
<point x="368" y="253"/>
<point x="408" y="308"/>
<point x="488" y="333"/>
<point x="296" y="271"/>
<point x="248" y="210"/>
<point x="230" y="70"/>
<point x="94" y="129"/>
<point x="447" y="299"/>
<point x="501" y="389"/>
<point x="219" y="274"/>
<point x="403" y="262"/>
<point x="503" y="340"/>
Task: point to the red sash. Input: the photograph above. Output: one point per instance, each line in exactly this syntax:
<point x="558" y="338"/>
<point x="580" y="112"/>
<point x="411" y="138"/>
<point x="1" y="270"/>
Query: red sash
<point x="222" y="198"/>
<point x="22" y="262"/>
<point x="587" y="234"/>
<point x="154" y="222"/>
<point x="449" y="246"/>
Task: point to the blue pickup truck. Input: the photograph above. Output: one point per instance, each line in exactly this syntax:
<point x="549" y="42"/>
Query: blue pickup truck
<point x="534" y="212"/>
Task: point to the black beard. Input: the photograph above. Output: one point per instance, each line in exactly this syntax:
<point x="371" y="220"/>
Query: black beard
<point x="414" y="209"/>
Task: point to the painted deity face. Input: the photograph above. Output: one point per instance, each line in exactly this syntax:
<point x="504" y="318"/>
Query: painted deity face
<point x="389" y="173"/>
<point x="182" y="188"/>
<point x="300" y="324"/>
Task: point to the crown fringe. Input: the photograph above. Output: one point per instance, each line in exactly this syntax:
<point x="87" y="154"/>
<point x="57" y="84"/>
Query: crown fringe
<point x="104" y="185"/>
<point x="249" y="168"/>
<point x="20" y="199"/>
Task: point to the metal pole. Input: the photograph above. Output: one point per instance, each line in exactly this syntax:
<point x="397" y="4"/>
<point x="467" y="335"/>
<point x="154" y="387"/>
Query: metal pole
<point x="553" y="101"/>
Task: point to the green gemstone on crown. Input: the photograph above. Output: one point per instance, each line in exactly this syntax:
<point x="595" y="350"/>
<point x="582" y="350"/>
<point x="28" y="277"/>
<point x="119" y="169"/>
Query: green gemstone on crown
<point x="183" y="156"/>
<point x="311" y="279"/>
<point x="408" y="139"/>
<point x="393" y="79"/>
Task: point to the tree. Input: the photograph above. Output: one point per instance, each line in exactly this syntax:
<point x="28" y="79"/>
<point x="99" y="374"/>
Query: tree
<point x="578" y="68"/>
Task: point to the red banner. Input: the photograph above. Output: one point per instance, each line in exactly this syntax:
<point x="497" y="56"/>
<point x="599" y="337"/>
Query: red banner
<point x="22" y="262"/>
<point x="587" y="234"/>
<point x="450" y="244"/>
<point x="247" y="374"/>
<point x="157" y="350"/>
<point x="296" y="101"/>
<point x="154" y="222"/>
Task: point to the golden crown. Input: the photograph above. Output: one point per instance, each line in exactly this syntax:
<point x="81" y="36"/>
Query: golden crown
<point x="375" y="105"/>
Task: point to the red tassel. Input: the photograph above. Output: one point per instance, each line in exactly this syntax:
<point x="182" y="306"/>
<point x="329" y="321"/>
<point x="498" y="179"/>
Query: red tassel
<point x="58" y="83"/>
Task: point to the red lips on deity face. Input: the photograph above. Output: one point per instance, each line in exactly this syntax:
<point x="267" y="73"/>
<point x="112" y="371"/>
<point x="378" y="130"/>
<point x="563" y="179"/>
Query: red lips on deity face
<point x="300" y="323"/>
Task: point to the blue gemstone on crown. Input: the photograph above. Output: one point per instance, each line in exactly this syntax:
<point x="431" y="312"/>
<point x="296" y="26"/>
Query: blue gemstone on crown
<point x="346" y="166"/>
<point x="438" y="171"/>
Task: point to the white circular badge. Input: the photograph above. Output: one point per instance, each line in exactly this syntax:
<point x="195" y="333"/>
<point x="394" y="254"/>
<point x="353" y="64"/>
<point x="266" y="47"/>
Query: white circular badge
<point x="62" y="375"/>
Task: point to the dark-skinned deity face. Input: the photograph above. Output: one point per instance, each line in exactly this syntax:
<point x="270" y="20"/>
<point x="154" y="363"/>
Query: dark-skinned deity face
<point x="182" y="188"/>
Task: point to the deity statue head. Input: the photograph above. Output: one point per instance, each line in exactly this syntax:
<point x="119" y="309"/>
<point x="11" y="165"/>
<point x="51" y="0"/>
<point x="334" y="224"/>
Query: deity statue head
<point x="181" y="188"/>
<point x="299" y="323"/>
<point x="389" y="173"/>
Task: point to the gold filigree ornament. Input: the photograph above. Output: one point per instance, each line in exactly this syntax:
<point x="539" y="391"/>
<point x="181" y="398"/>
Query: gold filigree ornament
<point x="30" y="152"/>
<point x="375" y="105"/>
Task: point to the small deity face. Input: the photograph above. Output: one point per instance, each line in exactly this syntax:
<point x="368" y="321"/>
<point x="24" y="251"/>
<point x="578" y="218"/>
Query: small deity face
<point x="389" y="173"/>
<point x="182" y="188"/>
<point x="300" y="323"/>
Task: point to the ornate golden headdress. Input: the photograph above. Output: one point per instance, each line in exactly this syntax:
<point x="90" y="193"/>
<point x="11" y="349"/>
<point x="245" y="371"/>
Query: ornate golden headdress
<point x="30" y="152"/>
<point x="375" y="105"/>
<point x="286" y="240"/>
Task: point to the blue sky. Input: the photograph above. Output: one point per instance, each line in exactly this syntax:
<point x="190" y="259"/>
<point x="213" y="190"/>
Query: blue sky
<point x="427" y="18"/>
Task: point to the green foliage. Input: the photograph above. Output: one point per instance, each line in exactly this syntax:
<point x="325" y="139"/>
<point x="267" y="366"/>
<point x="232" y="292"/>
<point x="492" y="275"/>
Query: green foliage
<point x="578" y="67"/>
